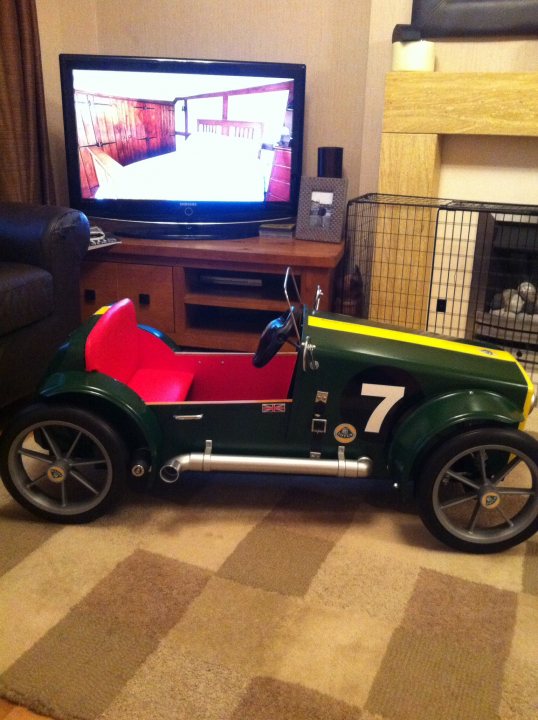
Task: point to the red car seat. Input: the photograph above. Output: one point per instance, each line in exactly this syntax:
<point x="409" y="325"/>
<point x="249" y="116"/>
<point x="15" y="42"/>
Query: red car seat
<point x="118" y="347"/>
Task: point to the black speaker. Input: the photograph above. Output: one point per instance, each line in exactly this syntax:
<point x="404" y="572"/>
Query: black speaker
<point x="330" y="162"/>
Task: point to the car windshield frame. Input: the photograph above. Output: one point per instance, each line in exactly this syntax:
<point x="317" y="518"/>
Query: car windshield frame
<point x="290" y="281"/>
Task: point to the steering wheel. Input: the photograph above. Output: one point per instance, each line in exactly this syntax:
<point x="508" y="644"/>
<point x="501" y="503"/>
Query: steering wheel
<point x="273" y="337"/>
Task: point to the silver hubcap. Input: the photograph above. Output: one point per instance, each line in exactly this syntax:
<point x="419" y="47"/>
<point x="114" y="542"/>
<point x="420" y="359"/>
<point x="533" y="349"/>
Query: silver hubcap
<point x="60" y="467"/>
<point x="487" y="494"/>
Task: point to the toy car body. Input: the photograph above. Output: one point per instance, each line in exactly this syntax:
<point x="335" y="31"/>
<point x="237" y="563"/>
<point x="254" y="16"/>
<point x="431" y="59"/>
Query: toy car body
<point x="442" y="418"/>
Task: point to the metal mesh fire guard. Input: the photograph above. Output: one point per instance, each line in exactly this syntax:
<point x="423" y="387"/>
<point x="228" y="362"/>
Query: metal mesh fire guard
<point x="462" y="269"/>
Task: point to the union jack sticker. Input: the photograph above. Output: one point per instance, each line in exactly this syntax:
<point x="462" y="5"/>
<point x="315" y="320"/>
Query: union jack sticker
<point x="273" y="407"/>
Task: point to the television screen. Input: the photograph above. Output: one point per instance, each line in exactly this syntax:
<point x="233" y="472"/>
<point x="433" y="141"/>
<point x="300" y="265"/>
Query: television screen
<point x="183" y="146"/>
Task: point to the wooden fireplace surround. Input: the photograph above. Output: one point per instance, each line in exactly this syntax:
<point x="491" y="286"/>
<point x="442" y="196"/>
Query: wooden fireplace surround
<point x="421" y="107"/>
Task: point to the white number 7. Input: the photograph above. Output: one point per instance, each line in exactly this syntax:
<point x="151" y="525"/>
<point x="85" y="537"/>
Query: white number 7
<point x="391" y="394"/>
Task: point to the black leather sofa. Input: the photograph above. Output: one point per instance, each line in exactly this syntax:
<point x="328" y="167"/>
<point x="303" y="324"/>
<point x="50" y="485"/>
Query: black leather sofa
<point x="41" y="249"/>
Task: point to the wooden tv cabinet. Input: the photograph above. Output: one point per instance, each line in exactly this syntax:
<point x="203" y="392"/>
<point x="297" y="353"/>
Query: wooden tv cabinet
<point x="216" y="294"/>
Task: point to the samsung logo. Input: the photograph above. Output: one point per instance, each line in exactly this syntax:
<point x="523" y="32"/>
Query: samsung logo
<point x="188" y="204"/>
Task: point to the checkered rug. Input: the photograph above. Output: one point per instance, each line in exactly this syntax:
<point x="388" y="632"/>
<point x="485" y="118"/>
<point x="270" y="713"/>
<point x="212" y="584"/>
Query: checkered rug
<point x="263" y="598"/>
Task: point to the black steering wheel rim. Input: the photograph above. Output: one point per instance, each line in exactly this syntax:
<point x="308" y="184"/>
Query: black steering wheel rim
<point x="273" y="337"/>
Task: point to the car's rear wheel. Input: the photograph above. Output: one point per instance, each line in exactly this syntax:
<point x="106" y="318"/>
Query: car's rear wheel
<point x="478" y="492"/>
<point x="62" y="463"/>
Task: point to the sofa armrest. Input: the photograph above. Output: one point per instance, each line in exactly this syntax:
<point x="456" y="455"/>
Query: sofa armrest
<point x="54" y="238"/>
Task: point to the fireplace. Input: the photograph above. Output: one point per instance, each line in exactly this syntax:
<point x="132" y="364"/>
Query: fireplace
<point x="505" y="282"/>
<point x="462" y="269"/>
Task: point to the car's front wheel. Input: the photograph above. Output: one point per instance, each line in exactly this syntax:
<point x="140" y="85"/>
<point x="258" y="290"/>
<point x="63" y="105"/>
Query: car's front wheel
<point x="62" y="463"/>
<point x="478" y="492"/>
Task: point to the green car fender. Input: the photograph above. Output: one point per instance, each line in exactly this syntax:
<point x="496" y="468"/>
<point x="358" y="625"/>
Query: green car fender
<point x="439" y="418"/>
<point x="112" y="400"/>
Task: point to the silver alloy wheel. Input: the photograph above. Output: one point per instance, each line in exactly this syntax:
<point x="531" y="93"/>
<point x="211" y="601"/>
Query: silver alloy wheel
<point x="60" y="467"/>
<point x="495" y="501"/>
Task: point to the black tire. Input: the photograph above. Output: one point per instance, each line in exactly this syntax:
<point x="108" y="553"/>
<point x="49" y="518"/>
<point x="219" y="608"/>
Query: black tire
<point x="478" y="492"/>
<point x="62" y="463"/>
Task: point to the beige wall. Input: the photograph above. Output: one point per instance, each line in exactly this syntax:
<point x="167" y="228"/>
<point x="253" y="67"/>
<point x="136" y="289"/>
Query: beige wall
<point x="68" y="27"/>
<point x="330" y="37"/>
<point x="385" y="14"/>
<point x="346" y="46"/>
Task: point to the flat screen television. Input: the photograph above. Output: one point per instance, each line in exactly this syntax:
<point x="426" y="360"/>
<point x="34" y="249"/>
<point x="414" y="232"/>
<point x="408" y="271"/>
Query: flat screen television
<point x="161" y="147"/>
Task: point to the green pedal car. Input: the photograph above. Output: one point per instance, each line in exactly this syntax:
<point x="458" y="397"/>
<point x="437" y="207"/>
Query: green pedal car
<point x="442" y="418"/>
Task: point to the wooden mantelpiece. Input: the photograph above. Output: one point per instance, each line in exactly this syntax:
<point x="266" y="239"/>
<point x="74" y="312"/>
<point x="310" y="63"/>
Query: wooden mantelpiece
<point x="461" y="103"/>
<point x="422" y="107"/>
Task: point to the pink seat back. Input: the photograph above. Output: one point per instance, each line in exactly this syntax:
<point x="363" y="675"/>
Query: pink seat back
<point x="113" y="347"/>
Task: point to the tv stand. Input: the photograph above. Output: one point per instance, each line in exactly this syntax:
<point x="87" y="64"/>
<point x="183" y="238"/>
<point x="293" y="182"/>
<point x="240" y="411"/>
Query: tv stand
<point x="206" y="293"/>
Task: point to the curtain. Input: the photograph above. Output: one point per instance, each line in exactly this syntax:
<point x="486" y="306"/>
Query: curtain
<point x="25" y="165"/>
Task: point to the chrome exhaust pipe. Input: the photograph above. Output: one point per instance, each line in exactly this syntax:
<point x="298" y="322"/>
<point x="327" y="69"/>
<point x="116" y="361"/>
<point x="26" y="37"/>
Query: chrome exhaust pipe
<point x="170" y="472"/>
<point x="208" y="462"/>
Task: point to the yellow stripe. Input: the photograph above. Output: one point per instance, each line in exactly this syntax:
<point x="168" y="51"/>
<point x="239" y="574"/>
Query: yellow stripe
<point x="102" y="310"/>
<point x="530" y="393"/>
<point x="414" y="339"/>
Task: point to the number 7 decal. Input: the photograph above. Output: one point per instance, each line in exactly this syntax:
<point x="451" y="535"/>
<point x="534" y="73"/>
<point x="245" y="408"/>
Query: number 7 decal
<point x="391" y="394"/>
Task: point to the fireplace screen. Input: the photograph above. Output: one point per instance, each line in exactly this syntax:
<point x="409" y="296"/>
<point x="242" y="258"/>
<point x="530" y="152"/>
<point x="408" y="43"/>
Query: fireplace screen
<point x="462" y="269"/>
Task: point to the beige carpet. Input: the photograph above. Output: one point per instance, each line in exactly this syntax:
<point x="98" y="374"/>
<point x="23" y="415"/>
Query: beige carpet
<point x="237" y="598"/>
